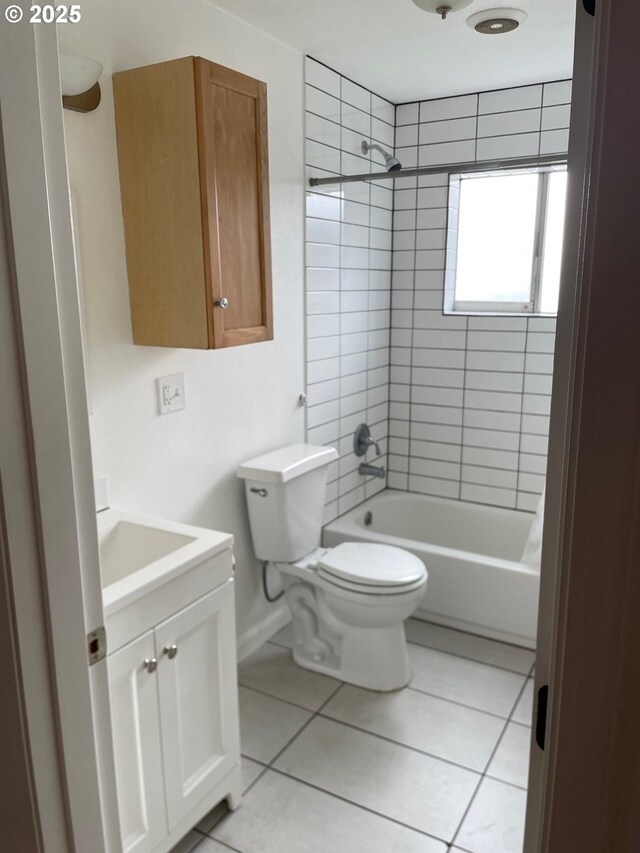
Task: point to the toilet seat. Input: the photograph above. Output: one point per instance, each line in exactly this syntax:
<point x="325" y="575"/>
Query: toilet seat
<point x="371" y="568"/>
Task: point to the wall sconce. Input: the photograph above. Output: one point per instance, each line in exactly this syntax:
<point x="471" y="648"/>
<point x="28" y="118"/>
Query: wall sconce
<point x="79" y="77"/>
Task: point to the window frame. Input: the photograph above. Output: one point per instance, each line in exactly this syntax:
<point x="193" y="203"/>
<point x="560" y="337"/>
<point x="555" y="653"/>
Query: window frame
<point x="480" y="307"/>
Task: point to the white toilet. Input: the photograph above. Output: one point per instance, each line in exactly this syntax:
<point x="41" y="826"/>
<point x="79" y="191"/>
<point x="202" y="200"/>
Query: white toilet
<point x="349" y="602"/>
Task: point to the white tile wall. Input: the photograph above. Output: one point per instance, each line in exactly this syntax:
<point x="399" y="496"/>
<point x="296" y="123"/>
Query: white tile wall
<point x="349" y="258"/>
<point x="469" y="396"/>
<point x="460" y="403"/>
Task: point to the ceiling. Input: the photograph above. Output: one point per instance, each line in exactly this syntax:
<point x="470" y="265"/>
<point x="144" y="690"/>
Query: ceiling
<point x="404" y="54"/>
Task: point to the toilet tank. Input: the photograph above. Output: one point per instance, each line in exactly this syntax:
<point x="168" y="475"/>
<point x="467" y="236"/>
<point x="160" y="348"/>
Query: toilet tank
<point x="285" y="495"/>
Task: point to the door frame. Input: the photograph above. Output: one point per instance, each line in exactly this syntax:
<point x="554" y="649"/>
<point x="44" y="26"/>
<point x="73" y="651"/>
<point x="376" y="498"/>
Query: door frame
<point x="572" y="805"/>
<point x="58" y="543"/>
<point x="585" y="786"/>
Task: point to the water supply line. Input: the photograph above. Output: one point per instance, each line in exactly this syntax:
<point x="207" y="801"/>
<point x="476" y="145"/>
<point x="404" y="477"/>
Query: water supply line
<point x="265" y="586"/>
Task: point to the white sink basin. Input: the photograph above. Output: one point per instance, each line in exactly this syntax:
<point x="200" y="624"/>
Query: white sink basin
<point x="139" y="554"/>
<point x="127" y="547"/>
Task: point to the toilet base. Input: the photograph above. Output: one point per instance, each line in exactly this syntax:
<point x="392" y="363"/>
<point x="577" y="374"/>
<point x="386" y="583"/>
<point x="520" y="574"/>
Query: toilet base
<point x="373" y="658"/>
<point x="351" y="636"/>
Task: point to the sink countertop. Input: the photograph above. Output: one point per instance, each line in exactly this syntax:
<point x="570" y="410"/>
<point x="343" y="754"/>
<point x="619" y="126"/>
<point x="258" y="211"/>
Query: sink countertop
<point x="140" y="553"/>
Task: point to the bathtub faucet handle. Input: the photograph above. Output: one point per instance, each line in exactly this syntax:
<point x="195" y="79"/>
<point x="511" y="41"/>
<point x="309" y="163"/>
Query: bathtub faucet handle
<point x="362" y="441"/>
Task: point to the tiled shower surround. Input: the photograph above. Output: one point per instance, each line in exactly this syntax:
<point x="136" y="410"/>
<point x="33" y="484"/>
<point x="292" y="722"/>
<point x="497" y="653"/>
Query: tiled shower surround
<point x="349" y="242"/>
<point x="465" y="403"/>
<point x="470" y="396"/>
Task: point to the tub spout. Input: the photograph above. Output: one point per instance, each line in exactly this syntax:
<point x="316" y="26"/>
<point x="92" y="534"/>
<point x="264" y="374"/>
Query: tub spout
<point x="370" y="470"/>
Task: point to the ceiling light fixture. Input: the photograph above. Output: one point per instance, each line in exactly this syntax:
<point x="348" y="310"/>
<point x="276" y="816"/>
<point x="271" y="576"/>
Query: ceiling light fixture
<point x="442" y="7"/>
<point x="495" y="22"/>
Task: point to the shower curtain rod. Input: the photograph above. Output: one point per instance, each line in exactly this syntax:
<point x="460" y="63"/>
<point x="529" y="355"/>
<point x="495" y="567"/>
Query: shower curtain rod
<point x="451" y="169"/>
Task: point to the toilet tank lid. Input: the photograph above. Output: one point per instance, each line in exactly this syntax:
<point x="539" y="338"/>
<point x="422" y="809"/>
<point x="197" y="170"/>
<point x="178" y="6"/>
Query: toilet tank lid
<point x="287" y="463"/>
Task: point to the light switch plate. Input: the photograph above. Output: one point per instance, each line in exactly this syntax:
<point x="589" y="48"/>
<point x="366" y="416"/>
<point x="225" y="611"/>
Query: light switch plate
<point x="171" y="393"/>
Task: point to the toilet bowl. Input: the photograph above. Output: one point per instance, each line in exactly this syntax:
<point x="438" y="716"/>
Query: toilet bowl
<point x="353" y="629"/>
<point x="348" y="603"/>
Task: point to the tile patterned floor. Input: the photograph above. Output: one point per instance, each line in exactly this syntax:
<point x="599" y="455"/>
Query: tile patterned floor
<point x="439" y="766"/>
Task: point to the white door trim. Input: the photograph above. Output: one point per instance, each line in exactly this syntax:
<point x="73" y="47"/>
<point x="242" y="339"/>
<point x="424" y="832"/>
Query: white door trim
<point x="47" y="318"/>
<point x="562" y="399"/>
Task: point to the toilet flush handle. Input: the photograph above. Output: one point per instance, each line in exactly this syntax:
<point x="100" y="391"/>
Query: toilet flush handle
<point x="262" y="492"/>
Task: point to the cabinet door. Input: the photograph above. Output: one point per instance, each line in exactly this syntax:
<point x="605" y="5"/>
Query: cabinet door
<point x="160" y="185"/>
<point x="234" y="169"/>
<point x="198" y="699"/>
<point x="133" y="692"/>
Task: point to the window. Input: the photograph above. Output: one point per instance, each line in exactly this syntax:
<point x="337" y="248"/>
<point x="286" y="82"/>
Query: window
<point x="508" y="242"/>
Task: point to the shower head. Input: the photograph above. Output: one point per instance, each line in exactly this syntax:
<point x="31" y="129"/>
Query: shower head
<point x="392" y="163"/>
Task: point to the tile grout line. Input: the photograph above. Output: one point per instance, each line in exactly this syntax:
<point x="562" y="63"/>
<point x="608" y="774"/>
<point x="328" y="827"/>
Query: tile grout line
<point x="320" y="713"/>
<point x="470" y="659"/>
<point x="493" y="754"/>
<point x="407" y="687"/>
<point x="305" y="725"/>
<point x="269" y="766"/>
<point x="402" y="745"/>
<point x="276" y="698"/>
<point x="358" y="805"/>
<point x="217" y="841"/>
<point x="458" y="704"/>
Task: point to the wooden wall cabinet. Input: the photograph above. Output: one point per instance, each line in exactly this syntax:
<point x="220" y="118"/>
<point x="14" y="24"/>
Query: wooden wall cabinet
<point x="194" y="177"/>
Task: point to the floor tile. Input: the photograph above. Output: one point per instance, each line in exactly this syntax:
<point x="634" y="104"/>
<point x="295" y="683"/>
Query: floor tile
<point x="477" y="685"/>
<point x="422" y="792"/>
<point x="272" y="670"/>
<point x="280" y="815"/>
<point x="433" y="725"/>
<point x="495" y="822"/>
<point x="209" y="845"/>
<point x="524" y="709"/>
<point x="267" y="724"/>
<point x="469" y="646"/>
<point x="284" y="637"/>
<point x="250" y="770"/>
<point x="511" y="761"/>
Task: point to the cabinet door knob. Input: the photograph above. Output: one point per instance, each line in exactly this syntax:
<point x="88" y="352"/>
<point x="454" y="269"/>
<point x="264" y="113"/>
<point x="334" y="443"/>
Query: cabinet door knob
<point x="222" y="303"/>
<point x="171" y="651"/>
<point x="150" y="664"/>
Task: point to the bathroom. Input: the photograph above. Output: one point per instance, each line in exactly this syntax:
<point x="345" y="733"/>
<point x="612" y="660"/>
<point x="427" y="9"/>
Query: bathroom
<point x="400" y="398"/>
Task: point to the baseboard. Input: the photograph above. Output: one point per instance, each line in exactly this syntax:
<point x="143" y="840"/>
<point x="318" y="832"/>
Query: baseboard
<point x="258" y="634"/>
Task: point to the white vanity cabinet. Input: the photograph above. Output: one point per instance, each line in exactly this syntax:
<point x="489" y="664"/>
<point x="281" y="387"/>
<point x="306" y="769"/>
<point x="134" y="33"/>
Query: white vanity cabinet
<point x="174" y="706"/>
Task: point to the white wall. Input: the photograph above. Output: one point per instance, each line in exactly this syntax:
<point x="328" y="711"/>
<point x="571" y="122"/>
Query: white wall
<point x="240" y="401"/>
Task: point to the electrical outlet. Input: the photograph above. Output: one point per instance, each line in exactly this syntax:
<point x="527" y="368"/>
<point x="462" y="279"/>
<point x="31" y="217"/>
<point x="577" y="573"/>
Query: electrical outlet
<point x="171" y="393"/>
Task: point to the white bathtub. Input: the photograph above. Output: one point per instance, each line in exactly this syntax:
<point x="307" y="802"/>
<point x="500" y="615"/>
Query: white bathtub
<point x="472" y="553"/>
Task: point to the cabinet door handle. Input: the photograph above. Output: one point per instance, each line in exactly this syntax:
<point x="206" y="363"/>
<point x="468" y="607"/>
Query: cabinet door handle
<point x="171" y="651"/>
<point x="222" y="303"/>
<point x="150" y="664"/>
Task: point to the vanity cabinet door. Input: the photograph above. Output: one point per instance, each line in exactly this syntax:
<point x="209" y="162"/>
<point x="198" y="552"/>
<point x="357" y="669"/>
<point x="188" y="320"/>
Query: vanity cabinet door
<point x="133" y="690"/>
<point x="198" y="699"/>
